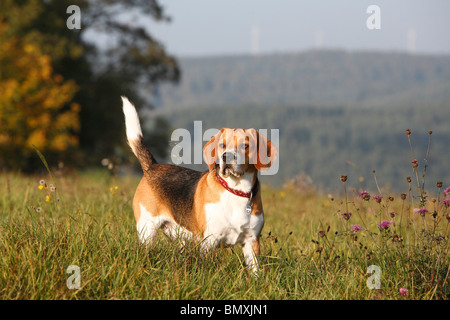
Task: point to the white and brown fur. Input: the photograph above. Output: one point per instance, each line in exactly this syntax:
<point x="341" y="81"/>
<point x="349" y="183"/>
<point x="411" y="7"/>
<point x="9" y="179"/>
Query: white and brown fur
<point x="193" y="204"/>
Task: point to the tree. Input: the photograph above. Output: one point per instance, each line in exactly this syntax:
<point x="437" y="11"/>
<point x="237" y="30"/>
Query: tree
<point x="35" y="108"/>
<point x="132" y="60"/>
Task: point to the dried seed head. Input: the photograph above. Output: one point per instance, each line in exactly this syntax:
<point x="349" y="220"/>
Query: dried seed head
<point x="391" y="198"/>
<point x="408" y="179"/>
<point x="343" y="178"/>
<point x="430" y="132"/>
<point x="408" y="132"/>
<point x="403" y="196"/>
<point x="346" y="215"/>
<point x="415" y="163"/>
<point x="439" y="184"/>
<point x="392" y="214"/>
<point x="397" y="238"/>
<point x="42" y="182"/>
<point x="321" y="233"/>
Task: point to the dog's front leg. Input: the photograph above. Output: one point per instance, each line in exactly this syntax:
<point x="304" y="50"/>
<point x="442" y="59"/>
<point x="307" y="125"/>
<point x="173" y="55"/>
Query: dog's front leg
<point x="250" y="248"/>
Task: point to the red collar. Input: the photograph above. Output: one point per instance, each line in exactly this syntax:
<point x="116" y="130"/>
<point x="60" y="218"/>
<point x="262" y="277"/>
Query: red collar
<point x="238" y="192"/>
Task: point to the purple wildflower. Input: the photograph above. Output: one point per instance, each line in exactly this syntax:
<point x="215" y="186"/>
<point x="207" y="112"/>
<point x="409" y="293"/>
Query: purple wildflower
<point x="403" y="291"/>
<point x="446" y="202"/>
<point x="421" y="211"/>
<point x="438" y="239"/>
<point x="356" y="227"/>
<point x="364" y="195"/>
<point x="447" y="191"/>
<point x="385" y="224"/>
<point x="377" y="198"/>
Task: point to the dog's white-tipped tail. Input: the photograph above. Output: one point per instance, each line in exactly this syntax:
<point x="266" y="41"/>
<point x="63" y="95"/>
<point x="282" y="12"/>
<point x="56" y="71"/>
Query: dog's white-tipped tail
<point x="132" y="124"/>
<point x="134" y="135"/>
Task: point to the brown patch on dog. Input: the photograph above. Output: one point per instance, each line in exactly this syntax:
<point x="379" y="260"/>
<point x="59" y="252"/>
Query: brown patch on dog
<point x="146" y="196"/>
<point x="257" y="207"/>
<point x="256" y="246"/>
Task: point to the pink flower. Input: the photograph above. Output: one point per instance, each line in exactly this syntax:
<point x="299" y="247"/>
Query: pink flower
<point x="421" y="211"/>
<point x="446" y="202"/>
<point x="385" y="224"/>
<point x="403" y="292"/>
<point x="447" y="191"/>
<point x="364" y="195"/>
<point x="377" y="198"/>
<point x="356" y="227"/>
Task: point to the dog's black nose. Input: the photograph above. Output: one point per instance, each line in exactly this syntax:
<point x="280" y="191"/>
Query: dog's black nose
<point x="228" y="157"/>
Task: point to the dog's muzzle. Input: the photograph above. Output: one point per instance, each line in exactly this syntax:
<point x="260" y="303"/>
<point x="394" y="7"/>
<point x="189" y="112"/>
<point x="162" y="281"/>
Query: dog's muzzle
<point x="228" y="157"/>
<point x="229" y="164"/>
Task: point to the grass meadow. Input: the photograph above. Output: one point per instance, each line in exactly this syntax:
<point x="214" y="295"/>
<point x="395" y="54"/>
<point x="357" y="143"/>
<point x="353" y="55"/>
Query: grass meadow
<point x="313" y="246"/>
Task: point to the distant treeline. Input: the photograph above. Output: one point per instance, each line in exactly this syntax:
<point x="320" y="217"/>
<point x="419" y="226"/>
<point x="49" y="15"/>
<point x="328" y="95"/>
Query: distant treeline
<point x="326" y="142"/>
<point x="325" y="78"/>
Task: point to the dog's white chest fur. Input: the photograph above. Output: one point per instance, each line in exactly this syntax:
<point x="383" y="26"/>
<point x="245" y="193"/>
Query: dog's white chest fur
<point x="228" y="223"/>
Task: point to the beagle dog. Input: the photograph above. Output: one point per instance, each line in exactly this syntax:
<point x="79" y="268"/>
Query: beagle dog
<point x="221" y="206"/>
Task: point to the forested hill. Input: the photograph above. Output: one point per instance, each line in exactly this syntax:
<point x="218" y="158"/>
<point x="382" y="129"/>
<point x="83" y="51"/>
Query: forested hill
<point x="337" y="112"/>
<point x="323" y="78"/>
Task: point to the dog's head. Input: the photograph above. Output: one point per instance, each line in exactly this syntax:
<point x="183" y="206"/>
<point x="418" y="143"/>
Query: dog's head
<point x="237" y="151"/>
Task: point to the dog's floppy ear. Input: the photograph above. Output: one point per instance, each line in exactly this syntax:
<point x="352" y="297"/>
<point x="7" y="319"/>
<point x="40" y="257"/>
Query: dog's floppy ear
<point x="210" y="150"/>
<point x="265" y="153"/>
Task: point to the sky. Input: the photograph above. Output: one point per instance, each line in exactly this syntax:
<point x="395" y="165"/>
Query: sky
<point x="213" y="27"/>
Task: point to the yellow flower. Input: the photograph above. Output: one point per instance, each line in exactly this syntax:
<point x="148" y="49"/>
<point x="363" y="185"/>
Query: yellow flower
<point x="41" y="187"/>
<point x="283" y="194"/>
<point x="47" y="198"/>
<point x="114" y="189"/>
